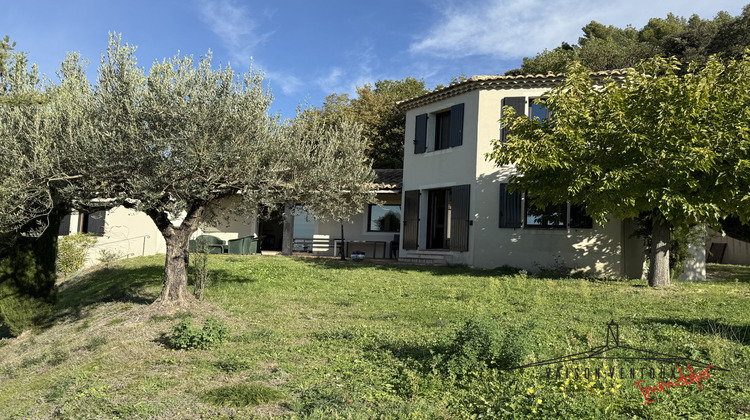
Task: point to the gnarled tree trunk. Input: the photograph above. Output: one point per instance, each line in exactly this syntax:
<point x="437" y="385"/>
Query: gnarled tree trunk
<point x="658" y="271"/>
<point x="175" y="286"/>
<point x="287" y="237"/>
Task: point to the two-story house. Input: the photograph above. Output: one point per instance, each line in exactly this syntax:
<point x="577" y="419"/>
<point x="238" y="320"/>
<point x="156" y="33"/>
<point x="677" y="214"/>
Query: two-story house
<point x="456" y="208"/>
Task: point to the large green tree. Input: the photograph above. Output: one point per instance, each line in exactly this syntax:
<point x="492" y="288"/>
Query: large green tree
<point x="667" y="141"/>
<point x="605" y="47"/>
<point x="375" y="110"/>
<point x="178" y="141"/>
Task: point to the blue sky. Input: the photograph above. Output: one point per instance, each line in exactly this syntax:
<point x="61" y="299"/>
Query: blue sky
<point x="310" y="49"/>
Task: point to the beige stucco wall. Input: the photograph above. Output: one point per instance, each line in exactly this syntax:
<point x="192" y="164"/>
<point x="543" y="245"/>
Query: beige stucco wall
<point x="130" y="233"/>
<point x="356" y="230"/>
<point x="601" y="249"/>
<point x="127" y="233"/>
<point x="737" y="251"/>
<point x="227" y="225"/>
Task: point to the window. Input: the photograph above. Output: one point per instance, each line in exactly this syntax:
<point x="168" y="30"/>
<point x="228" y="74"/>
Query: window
<point x="385" y="218"/>
<point x="538" y="110"/>
<point x="442" y="130"/>
<point x="552" y="216"/>
<point x="579" y="218"/>
<point x="304" y="224"/>
<point x="535" y="109"/>
<point x="92" y="223"/>
<point x="447" y="129"/>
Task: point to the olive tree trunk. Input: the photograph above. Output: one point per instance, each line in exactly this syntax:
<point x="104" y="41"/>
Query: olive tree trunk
<point x="658" y="271"/>
<point x="175" y="287"/>
<point x="287" y="237"/>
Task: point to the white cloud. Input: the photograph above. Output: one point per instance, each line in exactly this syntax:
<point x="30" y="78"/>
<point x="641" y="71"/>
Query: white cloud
<point x="288" y="83"/>
<point x="232" y="23"/>
<point x="343" y="81"/>
<point x="517" y="28"/>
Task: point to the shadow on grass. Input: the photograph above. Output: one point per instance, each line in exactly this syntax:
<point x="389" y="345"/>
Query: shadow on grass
<point x="108" y="285"/>
<point x="710" y="327"/>
<point x="220" y="275"/>
<point x="420" y="356"/>
<point x="385" y="265"/>
<point x="728" y="273"/>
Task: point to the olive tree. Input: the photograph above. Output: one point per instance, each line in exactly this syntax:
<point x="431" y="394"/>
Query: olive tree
<point x="43" y="129"/>
<point x="669" y="142"/>
<point x="178" y="140"/>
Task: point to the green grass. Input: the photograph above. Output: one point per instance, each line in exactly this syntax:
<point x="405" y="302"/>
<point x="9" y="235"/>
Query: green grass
<point x="318" y="338"/>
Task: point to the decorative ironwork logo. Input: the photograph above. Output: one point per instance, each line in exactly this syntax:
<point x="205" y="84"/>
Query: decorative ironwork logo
<point x="610" y="350"/>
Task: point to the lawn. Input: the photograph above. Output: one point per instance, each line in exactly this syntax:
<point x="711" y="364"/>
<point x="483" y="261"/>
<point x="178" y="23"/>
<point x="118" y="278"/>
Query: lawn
<point x="318" y="338"/>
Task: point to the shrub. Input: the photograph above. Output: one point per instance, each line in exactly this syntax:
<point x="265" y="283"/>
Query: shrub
<point x="479" y="345"/>
<point x="71" y="252"/>
<point x="185" y="336"/>
<point x="107" y="256"/>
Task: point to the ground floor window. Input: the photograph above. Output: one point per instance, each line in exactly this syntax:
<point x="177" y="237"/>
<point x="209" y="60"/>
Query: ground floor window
<point x="515" y="214"/>
<point x="385" y="218"/>
<point x="92" y="223"/>
<point x="552" y="216"/>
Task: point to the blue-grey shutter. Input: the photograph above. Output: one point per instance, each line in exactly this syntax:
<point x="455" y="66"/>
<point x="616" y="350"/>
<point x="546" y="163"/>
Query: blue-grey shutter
<point x="96" y="222"/>
<point x="64" y="229"/>
<point x="411" y="219"/>
<point x="420" y="134"/>
<point x="460" y="217"/>
<point x="457" y="126"/>
<point x="510" y="208"/>
<point x="518" y="103"/>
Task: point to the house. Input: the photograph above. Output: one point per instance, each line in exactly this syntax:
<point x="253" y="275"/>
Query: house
<point x="129" y="233"/>
<point x="456" y="205"/>
<point x="371" y="231"/>
<point x="120" y="231"/>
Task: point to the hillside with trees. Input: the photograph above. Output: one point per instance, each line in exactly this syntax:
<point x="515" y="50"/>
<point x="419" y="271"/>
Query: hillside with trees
<point x="606" y="47"/>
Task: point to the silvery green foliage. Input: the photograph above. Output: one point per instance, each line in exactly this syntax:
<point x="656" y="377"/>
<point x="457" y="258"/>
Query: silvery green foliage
<point x="44" y="129"/>
<point x="185" y="134"/>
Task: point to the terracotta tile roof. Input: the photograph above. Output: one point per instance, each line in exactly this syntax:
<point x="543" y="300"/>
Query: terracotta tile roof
<point x="388" y="179"/>
<point x="498" y="82"/>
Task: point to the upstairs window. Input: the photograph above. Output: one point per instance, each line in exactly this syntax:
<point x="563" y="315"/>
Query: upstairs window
<point x="442" y="130"/>
<point x="539" y="110"/>
<point x="446" y="129"/>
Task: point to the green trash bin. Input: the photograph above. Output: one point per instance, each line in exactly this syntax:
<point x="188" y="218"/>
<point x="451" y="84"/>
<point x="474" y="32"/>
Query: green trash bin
<point x="254" y="245"/>
<point x="243" y="246"/>
<point x="215" y="245"/>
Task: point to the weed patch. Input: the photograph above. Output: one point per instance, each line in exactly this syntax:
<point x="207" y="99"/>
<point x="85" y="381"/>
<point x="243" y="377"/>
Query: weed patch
<point x="185" y="336"/>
